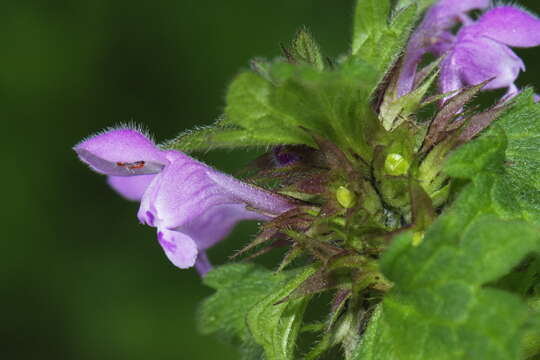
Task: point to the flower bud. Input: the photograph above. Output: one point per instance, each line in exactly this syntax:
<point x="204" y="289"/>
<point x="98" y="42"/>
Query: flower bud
<point x="396" y="165"/>
<point x="345" y="197"/>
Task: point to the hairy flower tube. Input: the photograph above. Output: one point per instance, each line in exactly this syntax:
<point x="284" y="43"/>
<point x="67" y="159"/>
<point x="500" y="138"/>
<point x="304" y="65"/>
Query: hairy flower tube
<point x="192" y="205"/>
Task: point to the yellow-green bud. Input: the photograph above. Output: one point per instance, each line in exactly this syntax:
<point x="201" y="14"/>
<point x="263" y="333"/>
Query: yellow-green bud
<point x="396" y="165"/>
<point x="345" y="197"/>
<point x="417" y="238"/>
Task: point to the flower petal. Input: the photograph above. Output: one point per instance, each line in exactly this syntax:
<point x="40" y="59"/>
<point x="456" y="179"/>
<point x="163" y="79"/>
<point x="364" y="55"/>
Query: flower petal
<point x="202" y="264"/>
<point x="511" y="26"/>
<point x="446" y="12"/>
<point x="479" y="59"/>
<point x="131" y="187"/>
<point x="450" y="79"/>
<point x="186" y="189"/>
<point x="260" y="199"/>
<point x="179" y="248"/>
<point x="121" y="152"/>
<point x="192" y="199"/>
<point x="432" y="35"/>
<point x="180" y="193"/>
<point x="216" y="223"/>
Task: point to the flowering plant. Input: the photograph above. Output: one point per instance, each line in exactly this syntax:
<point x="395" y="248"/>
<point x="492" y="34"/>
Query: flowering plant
<point x="407" y="210"/>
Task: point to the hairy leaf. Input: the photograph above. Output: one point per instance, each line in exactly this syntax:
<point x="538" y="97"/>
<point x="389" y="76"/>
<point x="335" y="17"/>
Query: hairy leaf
<point x="305" y="49"/>
<point x="373" y="26"/>
<point x="421" y="4"/>
<point x="276" y="326"/>
<point x="440" y="306"/>
<point x="276" y="111"/>
<point x="243" y="310"/>
<point x="239" y="288"/>
<point x="371" y="16"/>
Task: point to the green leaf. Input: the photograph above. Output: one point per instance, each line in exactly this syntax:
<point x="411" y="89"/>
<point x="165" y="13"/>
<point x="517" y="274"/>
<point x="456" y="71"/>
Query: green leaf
<point x="517" y="193"/>
<point x="373" y="27"/>
<point x="516" y="175"/>
<point x="421" y="4"/>
<point x="245" y="296"/>
<point x="239" y="288"/>
<point x="332" y="104"/>
<point x="484" y="154"/>
<point x="277" y="109"/>
<point x="276" y="326"/>
<point x="440" y="307"/>
<point x="214" y="137"/>
<point x="370" y="18"/>
<point x="305" y="49"/>
<point x="251" y="105"/>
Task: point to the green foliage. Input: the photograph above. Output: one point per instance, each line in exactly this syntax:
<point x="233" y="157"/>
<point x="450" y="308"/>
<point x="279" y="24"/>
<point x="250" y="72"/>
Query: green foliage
<point x="485" y="153"/>
<point x="517" y="192"/>
<point x="459" y="280"/>
<point x="306" y="50"/>
<point x="275" y="325"/>
<point x="420" y="4"/>
<point x="274" y="102"/>
<point x="371" y="16"/>
<point x="239" y="287"/>
<point x="243" y="310"/>
<point x="379" y="36"/>
<point x="439" y="306"/>
<point x="276" y="110"/>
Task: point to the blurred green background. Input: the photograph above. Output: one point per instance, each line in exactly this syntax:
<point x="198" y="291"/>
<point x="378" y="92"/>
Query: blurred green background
<point x="80" y="278"/>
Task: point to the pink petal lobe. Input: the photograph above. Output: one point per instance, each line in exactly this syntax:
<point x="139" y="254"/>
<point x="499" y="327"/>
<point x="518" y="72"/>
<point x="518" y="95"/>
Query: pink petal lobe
<point x="511" y="26"/>
<point x="121" y="152"/>
<point x="131" y="187"/>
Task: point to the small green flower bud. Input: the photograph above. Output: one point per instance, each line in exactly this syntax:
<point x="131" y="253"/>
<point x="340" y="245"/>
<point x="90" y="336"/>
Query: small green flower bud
<point x="396" y="165"/>
<point x="345" y="197"/>
<point x="417" y="239"/>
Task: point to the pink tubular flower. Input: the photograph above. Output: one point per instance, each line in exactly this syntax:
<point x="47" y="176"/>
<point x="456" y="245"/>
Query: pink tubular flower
<point x="433" y="35"/>
<point x="481" y="50"/>
<point x="192" y="205"/>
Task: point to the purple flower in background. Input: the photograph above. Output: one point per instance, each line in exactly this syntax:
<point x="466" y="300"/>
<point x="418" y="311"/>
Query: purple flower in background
<point x="481" y="50"/>
<point x="192" y="205"/>
<point x="478" y="52"/>
<point x="284" y="157"/>
<point x="433" y="36"/>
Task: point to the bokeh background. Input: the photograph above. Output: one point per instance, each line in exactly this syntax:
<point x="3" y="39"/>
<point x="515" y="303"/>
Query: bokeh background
<point x="79" y="277"/>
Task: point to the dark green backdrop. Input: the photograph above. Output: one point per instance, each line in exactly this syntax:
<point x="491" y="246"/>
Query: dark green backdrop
<point x="80" y="278"/>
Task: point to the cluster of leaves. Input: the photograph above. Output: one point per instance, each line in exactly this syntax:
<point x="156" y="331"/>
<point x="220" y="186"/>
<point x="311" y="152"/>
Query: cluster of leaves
<point x="448" y="300"/>
<point x="272" y="102"/>
<point x="463" y="285"/>
<point x="461" y="293"/>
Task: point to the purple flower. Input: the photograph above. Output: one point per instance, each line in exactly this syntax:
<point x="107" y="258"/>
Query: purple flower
<point x="282" y="156"/>
<point x="192" y="205"/>
<point x="481" y="50"/>
<point x="433" y="36"/>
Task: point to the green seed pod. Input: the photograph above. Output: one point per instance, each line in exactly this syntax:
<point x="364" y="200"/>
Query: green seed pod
<point x="396" y="165"/>
<point x="345" y="197"/>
